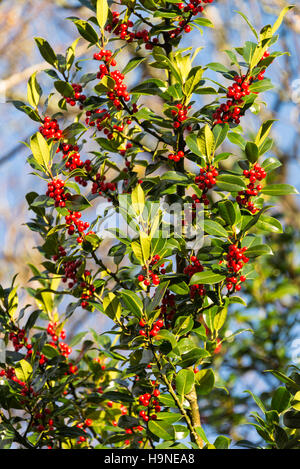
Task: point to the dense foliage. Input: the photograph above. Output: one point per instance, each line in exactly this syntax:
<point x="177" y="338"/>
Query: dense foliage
<point x="185" y="238"/>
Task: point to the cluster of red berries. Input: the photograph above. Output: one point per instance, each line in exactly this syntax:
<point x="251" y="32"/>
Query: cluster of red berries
<point x="121" y="29"/>
<point x="155" y="328"/>
<point x="205" y="181"/>
<point x="231" y="110"/>
<point x="83" y="426"/>
<point x="42" y="421"/>
<point x="102" y="188"/>
<point x="52" y="331"/>
<point x="78" y="97"/>
<point x="119" y="90"/>
<point x="151" y="402"/>
<point x="176" y="157"/>
<point x="50" y="129"/>
<point x="123" y="152"/>
<point x="101" y="121"/>
<point x="116" y="27"/>
<point x="72" y="157"/>
<point x="70" y="272"/>
<point x="261" y="74"/>
<point x="72" y="369"/>
<point x="106" y="56"/>
<point x="87" y="294"/>
<point x="74" y="223"/>
<point x="61" y="253"/>
<point x="193" y="8"/>
<point x="180" y="115"/>
<point x="151" y="276"/>
<point x="244" y="197"/>
<point x="207" y="177"/>
<point x="235" y="259"/>
<point x="190" y="270"/>
<point x="26" y="391"/>
<point x="168" y="306"/>
<point x="18" y="338"/>
<point x="56" y="190"/>
<point x="100" y="363"/>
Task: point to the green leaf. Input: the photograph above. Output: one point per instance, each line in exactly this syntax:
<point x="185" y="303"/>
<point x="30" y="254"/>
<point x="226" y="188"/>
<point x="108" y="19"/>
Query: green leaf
<point x="285" y="379"/>
<point x="70" y="56"/>
<point x="192" y="357"/>
<point x="193" y="80"/>
<point x="222" y="442"/>
<point x="102" y="12"/>
<point x="132" y="64"/>
<point x="206" y="141"/>
<point x="34" y="91"/>
<point x="237" y="139"/>
<point x="264" y="132"/>
<point x="249" y="24"/>
<point x="49" y="351"/>
<point x="133" y="302"/>
<point x="279" y="189"/>
<point x="217" y="67"/>
<point x="220" y="132"/>
<point x="258" y="402"/>
<point x="270" y="164"/>
<point x="261" y="86"/>
<point x="162" y="429"/>
<point x="164" y="334"/>
<point x="280" y="18"/>
<point x="295" y="403"/>
<point x="46" y="51"/>
<point x="251" y="151"/>
<point x="174" y="176"/>
<point x="180" y="288"/>
<point x="138" y="199"/>
<point x="230" y="183"/>
<point x="77" y="203"/>
<point x="205" y="380"/>
<point x="40" y="150"/>
<point x="280" y="400"/>
<point x="112" y="307"/>
<point x="269" y="224"/>
<point x="137" y="250"/>
<point x="23" y="370"/>
<point x="169" y="417"/>
<point x="219" y="319"/>
<point x="258" y="250"/>
<point x="184" y="382"/>
<point x="145" y="245"/>
<point x="64" y="88"/>
<point x="207" y="277"/>
<point x="86" y="30"/>
<point x="193" y="144"/>
<point x="183" y="325"/>
<point x="291" y="419"/>
<point x="215" y="229"/>
<point x="227" y="212"/>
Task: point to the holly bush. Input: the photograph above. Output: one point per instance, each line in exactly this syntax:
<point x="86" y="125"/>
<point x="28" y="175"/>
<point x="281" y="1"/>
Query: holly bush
<point x="176" y="229"/>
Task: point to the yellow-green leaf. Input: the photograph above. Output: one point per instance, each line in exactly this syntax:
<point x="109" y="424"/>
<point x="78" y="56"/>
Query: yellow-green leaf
<point x="34" y="91"/>
<point x="138" y="199"/>
<point x="40" y="149"/>
<point x="112" y="306"/>
<point x="23" y="370"/>
<point x="102" y="12"/>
